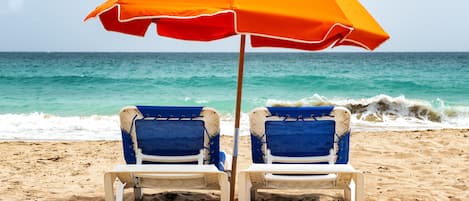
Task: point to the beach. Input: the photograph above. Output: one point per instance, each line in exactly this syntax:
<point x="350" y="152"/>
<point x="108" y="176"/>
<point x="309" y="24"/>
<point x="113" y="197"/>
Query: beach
<point x="59" y="123"/>
<point x="64" y="89"/>
<point x="398" y="165"/>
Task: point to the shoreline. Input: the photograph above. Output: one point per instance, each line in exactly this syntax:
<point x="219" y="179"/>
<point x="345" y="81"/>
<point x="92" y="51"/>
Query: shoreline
<point x="398" y="165"/>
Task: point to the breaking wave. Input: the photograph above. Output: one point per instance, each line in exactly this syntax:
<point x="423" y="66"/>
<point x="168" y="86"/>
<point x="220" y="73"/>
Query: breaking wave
<point x="392" y="113"/>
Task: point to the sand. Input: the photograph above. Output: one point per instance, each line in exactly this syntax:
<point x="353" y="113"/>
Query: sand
<point x="414" y="165"/>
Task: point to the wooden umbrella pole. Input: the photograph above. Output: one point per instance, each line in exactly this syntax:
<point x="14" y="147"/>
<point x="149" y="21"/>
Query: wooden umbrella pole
<point x="239" y="94"/>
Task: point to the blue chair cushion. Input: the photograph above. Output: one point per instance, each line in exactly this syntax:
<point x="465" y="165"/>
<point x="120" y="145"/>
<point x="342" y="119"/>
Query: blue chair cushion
<point x="169" y="137"/>
<point x="300" y="138"/>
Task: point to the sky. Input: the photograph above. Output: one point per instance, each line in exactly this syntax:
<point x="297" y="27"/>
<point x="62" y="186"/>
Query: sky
<point x="57" y="25"/>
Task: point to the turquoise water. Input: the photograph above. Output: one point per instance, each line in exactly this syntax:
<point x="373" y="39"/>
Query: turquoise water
<point x="67" y="85"/>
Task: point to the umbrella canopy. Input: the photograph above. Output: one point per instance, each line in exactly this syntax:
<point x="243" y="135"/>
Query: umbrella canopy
<point x="299" y="24"/>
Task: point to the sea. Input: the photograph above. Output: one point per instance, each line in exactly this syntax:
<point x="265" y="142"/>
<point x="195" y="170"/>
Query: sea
<point x="78" y="96"/>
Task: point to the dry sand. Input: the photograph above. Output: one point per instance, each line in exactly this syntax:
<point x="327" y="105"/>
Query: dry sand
<point x="416" y="165"/>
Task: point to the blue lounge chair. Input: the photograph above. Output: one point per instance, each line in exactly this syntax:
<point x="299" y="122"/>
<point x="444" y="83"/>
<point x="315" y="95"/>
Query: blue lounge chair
<point x="169" y="147"/>
<point x="300" y="148"/>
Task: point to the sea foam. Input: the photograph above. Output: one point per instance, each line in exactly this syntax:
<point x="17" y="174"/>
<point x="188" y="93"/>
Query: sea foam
<point x="378" y="113"/>
<point x="40" y="126"/>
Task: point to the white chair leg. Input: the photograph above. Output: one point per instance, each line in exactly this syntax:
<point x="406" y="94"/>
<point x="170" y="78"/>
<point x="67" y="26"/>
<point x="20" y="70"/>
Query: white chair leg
<point x="120" y="191"/>
<point x="359" y="186"/>
<point x="224" y="187"/>
<point x="244" y="190"/>
<point x="109" y="179"/>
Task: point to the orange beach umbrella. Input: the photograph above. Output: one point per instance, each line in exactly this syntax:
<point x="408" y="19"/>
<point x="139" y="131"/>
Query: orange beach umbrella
<point x="299" y="24"/>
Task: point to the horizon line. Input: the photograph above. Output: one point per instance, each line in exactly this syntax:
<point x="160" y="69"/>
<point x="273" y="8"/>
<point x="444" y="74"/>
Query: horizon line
<point x="281" y="52"/>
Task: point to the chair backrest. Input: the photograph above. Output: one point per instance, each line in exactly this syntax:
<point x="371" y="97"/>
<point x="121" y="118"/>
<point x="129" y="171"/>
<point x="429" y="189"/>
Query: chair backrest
<point x="300" y="134"/>
<point x="161" y="134"/>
